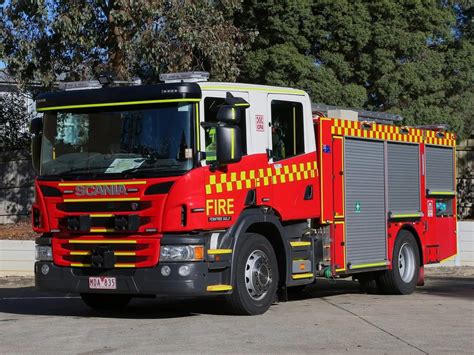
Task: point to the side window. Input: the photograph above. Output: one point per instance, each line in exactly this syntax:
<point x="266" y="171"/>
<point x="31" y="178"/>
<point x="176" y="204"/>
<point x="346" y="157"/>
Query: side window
<point x="287" y="129"/>
<point x="211" y="106"/>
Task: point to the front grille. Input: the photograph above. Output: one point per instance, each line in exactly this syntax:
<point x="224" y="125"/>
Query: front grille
<point x="107" y="223"/>
<point x="113" y="206"/>
<point x="128" y="252"/>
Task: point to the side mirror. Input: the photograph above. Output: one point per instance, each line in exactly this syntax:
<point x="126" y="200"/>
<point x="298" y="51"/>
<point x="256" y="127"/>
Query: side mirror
<point x="36" y="152"/>
<point x="231" y="112"/>
<point x="36" y="126"/>
<point x="228" y="145"/>
<point x="228" y="114"/>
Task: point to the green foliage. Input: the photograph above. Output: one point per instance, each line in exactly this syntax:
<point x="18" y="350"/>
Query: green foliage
<point x="14" y="119"/>
<point x="41" y="40"/>
<point x="409" y="57"/>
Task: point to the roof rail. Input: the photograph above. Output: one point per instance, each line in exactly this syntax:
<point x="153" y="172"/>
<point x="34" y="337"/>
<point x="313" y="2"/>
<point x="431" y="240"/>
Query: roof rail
<point x="363" y="115"/>
<point x="434" y="127"/>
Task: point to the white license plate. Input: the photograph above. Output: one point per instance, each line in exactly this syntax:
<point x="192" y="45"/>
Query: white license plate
<point x="103" y="283"/>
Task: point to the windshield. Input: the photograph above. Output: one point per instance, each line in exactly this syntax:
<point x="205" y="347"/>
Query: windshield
<point x="151" y="142"/>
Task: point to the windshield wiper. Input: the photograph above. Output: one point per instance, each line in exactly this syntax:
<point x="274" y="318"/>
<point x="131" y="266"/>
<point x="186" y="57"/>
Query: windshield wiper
<point x="154" y="168"/>
<point x="83" y="170"/>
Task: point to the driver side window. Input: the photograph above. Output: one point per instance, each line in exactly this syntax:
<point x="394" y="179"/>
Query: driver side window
<point x="211" y="106"/>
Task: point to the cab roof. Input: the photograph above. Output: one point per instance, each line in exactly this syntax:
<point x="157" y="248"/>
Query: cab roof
<point x="144" y="94"/>
<point x="118" y="96"/>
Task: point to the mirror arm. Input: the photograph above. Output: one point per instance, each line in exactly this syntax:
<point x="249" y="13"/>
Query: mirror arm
<point x="213" y="166"/>
<point x="269" y="154"/>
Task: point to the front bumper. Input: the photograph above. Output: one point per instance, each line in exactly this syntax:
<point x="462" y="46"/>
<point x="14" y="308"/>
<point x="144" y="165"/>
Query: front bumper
<point x="140" y="281"/>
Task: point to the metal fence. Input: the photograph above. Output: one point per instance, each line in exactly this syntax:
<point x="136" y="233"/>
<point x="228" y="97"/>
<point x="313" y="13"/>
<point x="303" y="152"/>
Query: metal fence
<point x="465" y="178"/>
<point x="16" y="186"/>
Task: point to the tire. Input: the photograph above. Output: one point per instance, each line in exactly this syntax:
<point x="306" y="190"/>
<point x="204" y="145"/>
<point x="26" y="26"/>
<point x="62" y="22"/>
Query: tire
<point x="366" y="281"/>
<point x="255" y="276"/>
<point x="105" y="302"/>
<point x="403" y="277"/>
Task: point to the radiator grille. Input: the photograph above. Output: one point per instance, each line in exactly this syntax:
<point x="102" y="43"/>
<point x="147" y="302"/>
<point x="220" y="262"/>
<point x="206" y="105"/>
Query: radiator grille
<point x="129" y="252"/>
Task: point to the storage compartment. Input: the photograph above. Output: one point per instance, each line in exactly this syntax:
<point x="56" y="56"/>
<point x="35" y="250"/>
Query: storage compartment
<point x="366" y="235"/>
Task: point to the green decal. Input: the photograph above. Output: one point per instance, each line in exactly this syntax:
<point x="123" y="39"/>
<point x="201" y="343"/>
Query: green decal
<point x="357" y="207"/>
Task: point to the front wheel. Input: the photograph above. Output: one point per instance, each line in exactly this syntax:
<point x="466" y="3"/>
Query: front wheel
<point x="403" y="276"/>
<point x="105" y="302"/>
<point x="255" y="276"/>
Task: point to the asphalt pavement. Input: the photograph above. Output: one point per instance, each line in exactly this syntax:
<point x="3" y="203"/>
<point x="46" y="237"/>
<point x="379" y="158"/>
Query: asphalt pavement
<point x="330" y="317"/>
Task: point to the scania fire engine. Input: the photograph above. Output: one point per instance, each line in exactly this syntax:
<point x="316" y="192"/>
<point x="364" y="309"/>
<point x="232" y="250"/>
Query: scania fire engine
<point x="195" y="188"/>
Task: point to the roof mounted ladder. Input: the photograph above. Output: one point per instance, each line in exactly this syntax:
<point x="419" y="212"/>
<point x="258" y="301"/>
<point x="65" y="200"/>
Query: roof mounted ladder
<point x="356" y="114"/>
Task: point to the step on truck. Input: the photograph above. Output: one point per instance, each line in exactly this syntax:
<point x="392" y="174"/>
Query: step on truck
<point x="197" y="188"/>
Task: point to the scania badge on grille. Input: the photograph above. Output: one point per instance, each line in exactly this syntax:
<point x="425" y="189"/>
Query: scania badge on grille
<point x="103" y="190"/>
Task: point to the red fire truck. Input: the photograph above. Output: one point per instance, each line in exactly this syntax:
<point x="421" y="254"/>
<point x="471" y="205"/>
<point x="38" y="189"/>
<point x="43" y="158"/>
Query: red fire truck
<point x="194" y="188"/>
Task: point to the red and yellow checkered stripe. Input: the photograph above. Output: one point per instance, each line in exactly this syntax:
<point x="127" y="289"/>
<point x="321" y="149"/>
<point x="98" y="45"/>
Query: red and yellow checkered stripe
<point x="391" y="133"/>
<point x="272" y="175"/>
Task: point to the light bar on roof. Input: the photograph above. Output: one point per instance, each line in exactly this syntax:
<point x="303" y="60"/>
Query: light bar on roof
<point x="79" y="85"/>
<point x="94" y="84"/>
<point x="185" y="77"/>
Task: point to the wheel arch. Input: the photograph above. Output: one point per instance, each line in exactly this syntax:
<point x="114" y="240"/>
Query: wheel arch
<point x="255" y="220"/>
<point x="273" y="235"/>
<point x="412" y="231"/>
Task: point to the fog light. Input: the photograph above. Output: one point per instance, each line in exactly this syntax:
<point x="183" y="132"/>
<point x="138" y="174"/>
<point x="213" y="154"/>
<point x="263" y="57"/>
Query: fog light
<point x="43" y="253"/>
<point x="184" y="270"/>
<point x="165" y="270"/>
<point x="44" y="269"/>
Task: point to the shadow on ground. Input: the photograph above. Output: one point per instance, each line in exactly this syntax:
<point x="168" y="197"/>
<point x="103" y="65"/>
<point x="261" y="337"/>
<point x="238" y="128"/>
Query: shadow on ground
<point x="29" y="301"/>
<point x="454" y="287"/>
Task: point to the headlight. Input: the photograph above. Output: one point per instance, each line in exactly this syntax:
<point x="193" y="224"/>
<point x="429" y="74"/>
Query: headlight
<point x="43" y="253"/>
<point x="181" y="252"/>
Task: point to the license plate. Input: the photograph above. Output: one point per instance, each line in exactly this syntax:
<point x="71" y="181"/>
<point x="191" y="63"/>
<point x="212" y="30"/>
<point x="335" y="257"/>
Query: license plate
<point x="103" y="283"/>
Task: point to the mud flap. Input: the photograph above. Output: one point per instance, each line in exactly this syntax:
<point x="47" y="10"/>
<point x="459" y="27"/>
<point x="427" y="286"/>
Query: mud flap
<point x="421" y="277"/>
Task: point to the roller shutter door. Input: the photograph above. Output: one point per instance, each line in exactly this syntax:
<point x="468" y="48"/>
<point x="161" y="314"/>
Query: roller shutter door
<point x="365" y="201"/>
<point x="403" y="178"/>
<point x="439" y="169"/>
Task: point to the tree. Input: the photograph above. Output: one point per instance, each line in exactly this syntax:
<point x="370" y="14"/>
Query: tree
<point x="409" y="57"/>
<point x="279" y="53"/>
<point x="14" y="120"/>
<point x="78" y="39"/>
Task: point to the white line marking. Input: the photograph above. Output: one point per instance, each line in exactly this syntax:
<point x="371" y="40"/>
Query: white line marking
<point x="35" y="298"/>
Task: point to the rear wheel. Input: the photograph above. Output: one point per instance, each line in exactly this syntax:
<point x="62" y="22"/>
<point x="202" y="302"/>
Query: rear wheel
<point x="105" y="302"/>
<point x="255" y="276"/>
<point x="403" y="276"/>
<point x="366" y="281"/>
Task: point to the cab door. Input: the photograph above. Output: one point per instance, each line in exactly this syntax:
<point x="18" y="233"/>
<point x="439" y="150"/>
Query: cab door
<point x="292" y="164"/>
<point x="208" y="108"/>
